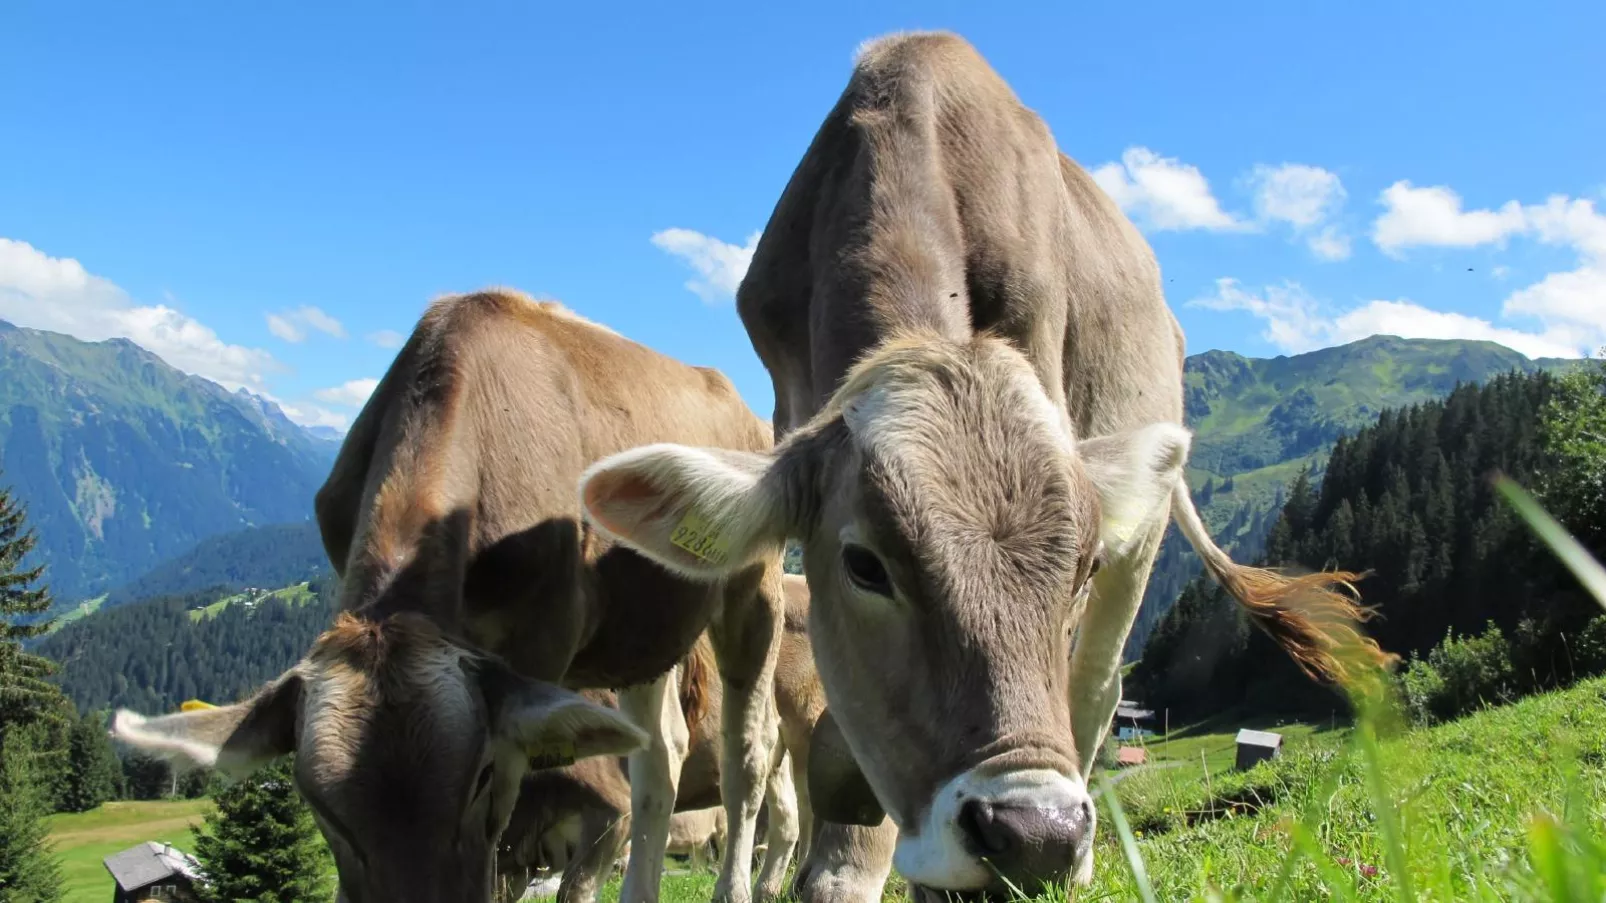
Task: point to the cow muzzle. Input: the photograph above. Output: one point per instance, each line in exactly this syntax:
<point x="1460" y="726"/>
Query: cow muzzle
<point x="1024" y="828"/>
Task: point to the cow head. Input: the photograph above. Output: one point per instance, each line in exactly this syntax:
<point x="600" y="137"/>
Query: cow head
<point x="951" y="525"/>
<point x="410" y="749"/>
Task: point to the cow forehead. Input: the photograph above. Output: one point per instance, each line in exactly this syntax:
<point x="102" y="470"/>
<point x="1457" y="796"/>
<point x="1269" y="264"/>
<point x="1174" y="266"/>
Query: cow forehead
<point x="416" y="705"/>
<point x="967" y="452"/>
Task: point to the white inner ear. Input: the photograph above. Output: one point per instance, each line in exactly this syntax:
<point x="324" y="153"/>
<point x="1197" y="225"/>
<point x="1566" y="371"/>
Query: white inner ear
<point x="131" y="729"/>
<point x="1135" y="474"/>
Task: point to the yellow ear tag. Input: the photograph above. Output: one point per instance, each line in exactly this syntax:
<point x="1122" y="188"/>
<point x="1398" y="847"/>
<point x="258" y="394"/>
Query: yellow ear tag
<point x="701" y="538"/>
<point x="195" y="705"/>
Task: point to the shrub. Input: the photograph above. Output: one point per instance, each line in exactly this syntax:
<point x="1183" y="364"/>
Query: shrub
<point x="1460" y="675"/>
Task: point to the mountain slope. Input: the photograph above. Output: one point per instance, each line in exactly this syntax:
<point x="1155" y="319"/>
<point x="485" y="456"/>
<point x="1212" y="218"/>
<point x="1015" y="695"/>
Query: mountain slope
<point x="1258" y="421"/>
<point x="124" y="461"/>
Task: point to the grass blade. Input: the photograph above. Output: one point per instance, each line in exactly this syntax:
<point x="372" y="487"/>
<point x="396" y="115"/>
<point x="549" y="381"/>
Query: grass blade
<point x="1129" y="844"/>
<point x="1577" y="559"/>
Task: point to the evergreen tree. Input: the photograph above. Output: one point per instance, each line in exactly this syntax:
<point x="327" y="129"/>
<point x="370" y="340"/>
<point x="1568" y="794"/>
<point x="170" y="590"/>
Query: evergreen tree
<point x="146" y="777"/>
<point x="25" y="695"/>
<point x="1409" y="501"/>
<point x="1574" y="436"/>
<point x="29" y="872"/>
<point x="93" y="773"/>
<point x="262" y="844"/>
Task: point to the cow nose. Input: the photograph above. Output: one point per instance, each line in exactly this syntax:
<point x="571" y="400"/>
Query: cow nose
<point x="1027" y="844"/>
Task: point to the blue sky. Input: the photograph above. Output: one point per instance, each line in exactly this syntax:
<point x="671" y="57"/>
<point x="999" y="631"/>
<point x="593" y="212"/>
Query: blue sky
<point x="269" y="195"/>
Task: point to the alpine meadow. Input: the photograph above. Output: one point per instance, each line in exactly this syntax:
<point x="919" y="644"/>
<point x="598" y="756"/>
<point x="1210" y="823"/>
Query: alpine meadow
<point x="834" y="454"/>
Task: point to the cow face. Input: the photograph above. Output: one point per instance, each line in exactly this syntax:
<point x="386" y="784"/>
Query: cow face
<point x="950" y="529"/>
<point x="409" y="751"/>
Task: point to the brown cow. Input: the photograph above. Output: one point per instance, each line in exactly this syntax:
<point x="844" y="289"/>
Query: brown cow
<point x="451" y="516"/>
<point x="569" y="818"/>
<point x="978" y="404"/>
<point x="575" y="819"/>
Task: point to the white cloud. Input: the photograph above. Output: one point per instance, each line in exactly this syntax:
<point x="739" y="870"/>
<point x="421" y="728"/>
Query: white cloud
<point x="1568" y="307"/>
<point x="351" y="394"/>
<point x="1296" y="322"/>
<point x="1329" y="244"/>
<point x="1164" y="194"/>
<point x="292" y="325"/>
<point x="387" y="338"/>
<point x="58" y="294"/>
<point x="310" y="415"/>
<point x="1296" y="194"/>
<point x="1500" y="272"/>
<point x="285" y="329"/>
<point x="720" y="266"/>
<point x="1433" y="216"/>
<point x="1413" y="321"/>
<point x="1306" y="198"/>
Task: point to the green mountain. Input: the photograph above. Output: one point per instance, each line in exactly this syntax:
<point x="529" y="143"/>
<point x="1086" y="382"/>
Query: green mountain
<point x="1258" y="421"/>
<point x="125" y="462"/>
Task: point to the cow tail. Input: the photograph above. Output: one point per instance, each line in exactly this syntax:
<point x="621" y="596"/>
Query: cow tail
<point x="697" y="674"/>
<point x="1313" y="617"/>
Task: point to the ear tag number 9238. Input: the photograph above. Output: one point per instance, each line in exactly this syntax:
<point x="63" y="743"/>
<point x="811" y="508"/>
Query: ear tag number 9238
<point x="701" y="538"/>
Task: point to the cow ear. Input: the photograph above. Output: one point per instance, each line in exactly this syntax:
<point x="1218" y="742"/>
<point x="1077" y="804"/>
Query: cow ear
<point x="235" y="739"/>
<point x="838" y="791"/>
<point x="554" y="727"/>
<point x="1135" y="473"/>
<point x="700" y="512"/>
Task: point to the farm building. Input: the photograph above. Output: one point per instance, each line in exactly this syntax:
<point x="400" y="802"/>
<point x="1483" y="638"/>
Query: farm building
<point x="153" y="871"/>
<point x="1131" y="720"/>
<point x="1129" y="756"/>
<point x="1257" y="746"/>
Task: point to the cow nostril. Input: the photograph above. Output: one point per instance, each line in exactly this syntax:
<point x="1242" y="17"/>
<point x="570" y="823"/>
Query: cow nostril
<point x="979" y="824"/>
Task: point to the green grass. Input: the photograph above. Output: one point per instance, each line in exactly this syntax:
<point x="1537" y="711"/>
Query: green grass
<point x="64" y="616"/>
<point x="83" y="839"/>
<point x="298" y="594"/>
<point x="1497" y="806"/>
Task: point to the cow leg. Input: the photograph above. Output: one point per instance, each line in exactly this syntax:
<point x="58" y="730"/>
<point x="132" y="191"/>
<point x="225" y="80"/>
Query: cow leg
<point x="746" y="635"/>
<point x="1095" y="686"/>
<point x="654" y="782"/>
<point x="602" y="833"/>
<point x="846" y="863"/>
<point x="781" y="837"/>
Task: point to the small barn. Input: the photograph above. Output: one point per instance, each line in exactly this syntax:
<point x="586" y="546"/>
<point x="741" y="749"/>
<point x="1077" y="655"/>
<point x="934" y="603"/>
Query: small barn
<point x="1257" y="746"/>
<point x="1131" y="720"/>
<point x="153" y="871"/>
<point x="1129" y="756"/>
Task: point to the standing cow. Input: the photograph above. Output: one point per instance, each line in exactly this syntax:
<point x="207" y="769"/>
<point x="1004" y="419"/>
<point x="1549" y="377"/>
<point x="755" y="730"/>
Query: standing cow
<point x="470" y="589"/>
<point x="978" y="409"/>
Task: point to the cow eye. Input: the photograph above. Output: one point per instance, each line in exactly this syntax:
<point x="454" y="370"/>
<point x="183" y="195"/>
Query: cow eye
<point x="866" y="570"/>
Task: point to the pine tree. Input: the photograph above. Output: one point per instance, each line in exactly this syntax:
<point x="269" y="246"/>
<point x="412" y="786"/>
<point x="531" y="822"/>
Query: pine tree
<point x="262" y="844"/>
<point x="93" y="773"/>
<point x="25" y="695"/>
<point x="29" y="872"/>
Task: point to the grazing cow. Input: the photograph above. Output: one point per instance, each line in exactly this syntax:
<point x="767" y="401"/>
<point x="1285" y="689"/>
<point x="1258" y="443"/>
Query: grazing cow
<point x="576" y="819"/>
<point x="570" y="818"/>
<point x="452" y="518"/>
<point x="978" y="409"/>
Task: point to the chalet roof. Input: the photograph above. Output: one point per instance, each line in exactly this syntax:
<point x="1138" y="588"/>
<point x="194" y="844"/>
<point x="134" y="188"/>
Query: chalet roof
<point x="1130" y="710"/>
<point x="1260" y="738"/>
<point x="148" y="863"/>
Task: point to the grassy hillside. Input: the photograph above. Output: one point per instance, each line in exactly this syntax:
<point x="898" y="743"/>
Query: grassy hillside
<point x="83" y="839"/>
<point x="298" y="595"/>
<point x="125" y="462"/>
<point x="273" y="555"/>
